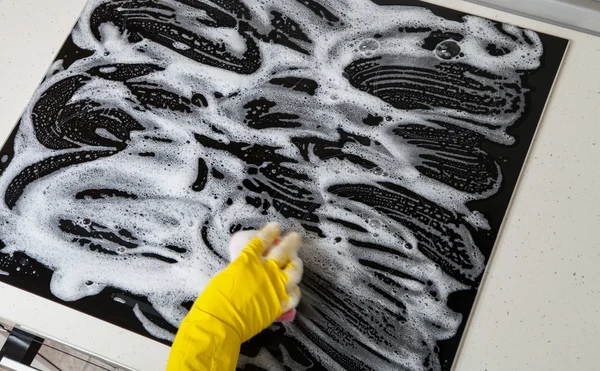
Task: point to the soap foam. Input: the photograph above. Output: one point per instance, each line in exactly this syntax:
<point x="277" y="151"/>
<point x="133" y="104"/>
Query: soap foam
<point x="163" y="210"/>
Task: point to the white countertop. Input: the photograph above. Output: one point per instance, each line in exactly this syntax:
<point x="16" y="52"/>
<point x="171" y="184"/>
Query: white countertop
<point x="539" y="307"/>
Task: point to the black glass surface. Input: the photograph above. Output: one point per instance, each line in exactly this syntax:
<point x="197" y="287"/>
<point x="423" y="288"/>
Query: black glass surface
<point x="419" y="133"/>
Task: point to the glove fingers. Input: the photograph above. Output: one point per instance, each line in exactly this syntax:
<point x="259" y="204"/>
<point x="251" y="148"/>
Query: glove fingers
<point x="294" y="295"/>
<point x="285" y="250"/>
<point x="268" y="234"/>
<point x="294" y="270"/>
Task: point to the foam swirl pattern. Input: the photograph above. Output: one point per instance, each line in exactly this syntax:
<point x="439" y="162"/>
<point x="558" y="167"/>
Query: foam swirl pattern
<point x="180" y="122"/>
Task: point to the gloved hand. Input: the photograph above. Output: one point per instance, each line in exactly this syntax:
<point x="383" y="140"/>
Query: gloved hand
<point x="238" y="303"/>
<point x="237" y="244"/>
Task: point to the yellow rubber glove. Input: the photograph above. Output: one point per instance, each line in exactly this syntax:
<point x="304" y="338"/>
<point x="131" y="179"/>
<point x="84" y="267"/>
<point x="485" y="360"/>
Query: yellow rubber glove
<point x="238" y="303"/>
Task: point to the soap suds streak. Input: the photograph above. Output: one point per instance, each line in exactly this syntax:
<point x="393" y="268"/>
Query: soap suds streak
<point x="361" y="126"/>
<point x="451" y="156"/>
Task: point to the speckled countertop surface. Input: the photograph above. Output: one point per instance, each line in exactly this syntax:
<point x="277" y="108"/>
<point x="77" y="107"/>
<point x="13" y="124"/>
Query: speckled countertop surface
<point x="540" y="301"/>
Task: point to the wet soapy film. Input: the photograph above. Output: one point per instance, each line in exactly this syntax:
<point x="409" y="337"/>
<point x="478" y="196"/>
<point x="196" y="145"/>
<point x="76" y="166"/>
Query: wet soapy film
<point x="390" y="136"/>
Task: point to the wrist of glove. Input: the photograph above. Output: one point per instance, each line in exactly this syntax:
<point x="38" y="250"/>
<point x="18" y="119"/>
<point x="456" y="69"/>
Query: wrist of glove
<point x="257" y="287"/>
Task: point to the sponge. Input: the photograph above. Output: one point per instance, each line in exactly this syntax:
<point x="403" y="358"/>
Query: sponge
<point x="237" y="243"/>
